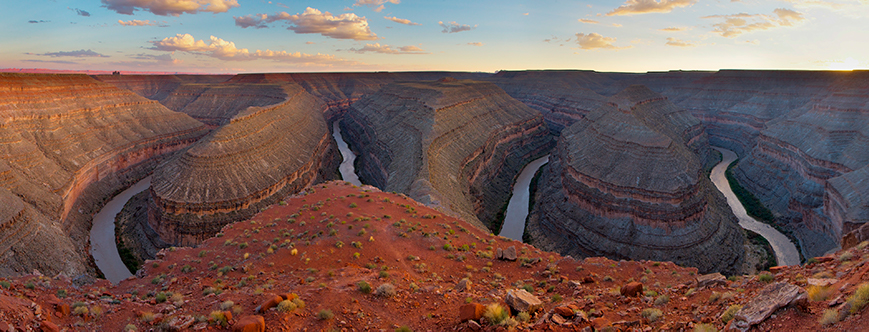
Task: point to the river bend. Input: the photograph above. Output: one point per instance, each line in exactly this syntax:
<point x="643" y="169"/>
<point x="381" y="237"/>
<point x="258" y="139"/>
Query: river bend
<point x="103" y="247"/>
<point x="517" y="208"/>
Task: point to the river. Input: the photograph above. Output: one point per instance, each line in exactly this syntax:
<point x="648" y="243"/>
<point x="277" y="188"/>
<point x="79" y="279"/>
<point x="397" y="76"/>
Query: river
<point x="517" y="208"/>
<point x="103" y="246"/>
<point x="347" y="171"/>
<point x="785" y="251"/>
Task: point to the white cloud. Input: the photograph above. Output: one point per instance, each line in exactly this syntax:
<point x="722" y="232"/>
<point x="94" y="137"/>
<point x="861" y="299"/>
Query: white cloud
<point x="386" y="49"/>
<point x="170" y="7"/>
<point x="137" y="23"/>
<point x="737" y="24"/>
<point x="593" y="41"/>
<point x="453" y="27"/>
<point x="376" y="5"/>
<point x="344" y="26"/>
<point x="633" y="7"/>
<point x="679" y="43"/>
<point x="226" y="50"/>
<point x="401" y="20"/>
<point x="585" y="20"/>
<point x="675" y="29"/>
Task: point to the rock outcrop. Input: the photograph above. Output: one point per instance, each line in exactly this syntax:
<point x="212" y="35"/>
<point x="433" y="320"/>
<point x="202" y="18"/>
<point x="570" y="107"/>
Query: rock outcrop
<point x="628" y="182"/>
<point x="158" y="87"/>
<point x="456" y="145"/>
<point x="261" y="155"/>
<point x="216" y="104"/>
<point x="67" y="143"/>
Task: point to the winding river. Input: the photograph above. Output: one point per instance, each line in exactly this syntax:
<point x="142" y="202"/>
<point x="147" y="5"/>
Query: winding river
<point x="517" y="208"/>
<point x="785" y="251"/>
<point x="103" y="246"/>
<point x="347" y="171"/>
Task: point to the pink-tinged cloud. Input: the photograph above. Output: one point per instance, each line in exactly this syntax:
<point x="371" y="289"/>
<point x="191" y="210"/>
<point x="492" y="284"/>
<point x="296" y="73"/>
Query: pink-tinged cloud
<point x="344" y="26"/>
<point x="226" y="50"/>
<point x="386" y="49"/>
<point x="585" y="20"/>
<point x="137" y="23"/>
<point x="594" y="41"/>
<point x="453" y="27"/>
<point x="674" y="29"/>
<point x="679" y="43"/>
<point x="76" y="54"/>
<point x="170" y="7"/>
<point x="401" y="20"/>
<point x="376" y="5"/>
<point x="633" y="7"/>
<point x="737" y="24"/>
<point x="476" y="44"/>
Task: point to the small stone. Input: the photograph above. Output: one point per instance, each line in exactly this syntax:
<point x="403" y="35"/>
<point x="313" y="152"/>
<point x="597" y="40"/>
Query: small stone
<point x="767" y="301"/>
<point x="557" y="319"/>
<point x="250" y="324"/>
<point x="63" y="309"/>
<point x="464" y="285"/>
<point x="509" y="254"/>
<point x="47" y="326"/>
<point x="474" y="326"/>
<point x="711" y="280"/>
<point x="499" y="253"/>
<point x="520" y="300"/>
<point x="564" y="311"/>
<point x="268" y="304"/>
<point x="180" y="323"/>
<point x="632" y="289"/>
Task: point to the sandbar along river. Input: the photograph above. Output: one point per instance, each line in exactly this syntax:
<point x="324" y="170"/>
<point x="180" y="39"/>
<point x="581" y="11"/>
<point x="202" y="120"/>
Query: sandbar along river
<point x="103" y="246"/>
<point x="348" y="173"/>
<point x="785" y="251"/>
<point x="517" y="208"/>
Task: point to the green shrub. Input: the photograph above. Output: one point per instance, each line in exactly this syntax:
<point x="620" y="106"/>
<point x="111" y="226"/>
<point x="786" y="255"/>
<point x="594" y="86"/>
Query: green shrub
<point x="830" y="317"/>
<point x="651" y="314"/>
<point x="5" y="284"/>
<point x="161" y="297"/>
<point x="286" y="306"/>
<point x="705" y="328"/>
<point x="325" y="314"/>
<point x="385" y="290"/>
<point x="226" y="305"/>
<point x="364" y="287"/>
<point x="765" y="277"/>
<point x="496" y="314"/>
<point x="860" y="298"/>
<point x="729" y="313"/>
<point x="404" y="329"/>
<point x="662" y="300"/>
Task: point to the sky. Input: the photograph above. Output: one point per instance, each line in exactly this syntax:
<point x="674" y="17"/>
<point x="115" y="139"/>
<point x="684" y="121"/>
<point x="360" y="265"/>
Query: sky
<point x="243" y="36"/>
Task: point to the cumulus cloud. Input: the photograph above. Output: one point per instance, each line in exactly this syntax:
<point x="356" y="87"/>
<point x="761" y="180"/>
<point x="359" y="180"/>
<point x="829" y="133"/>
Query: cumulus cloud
<point x="77" y="54"/>
<point x="137" y="23"/>
<point x="679" y="43"/>
<point x="585" y="20"/>
<point x="386" y="49"/>
<point x="169" y="7"/>
<point x="376" y="5"/>
<point x="226" y="50"/>
<point x="162" y="58"/>
<point x="79" y="12"/>
<point x="476" y="44"/>
<point x="593" y="41"/>
<point x="633" y="7"/>
<point x="401" y="20"/>
<point x="737" y="24"/>
<point x="453" y="27"/>
<point x="344" y="26"/>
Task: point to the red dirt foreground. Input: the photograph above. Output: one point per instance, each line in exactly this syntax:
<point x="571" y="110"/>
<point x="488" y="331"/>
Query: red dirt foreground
<point x="345" y="258"/>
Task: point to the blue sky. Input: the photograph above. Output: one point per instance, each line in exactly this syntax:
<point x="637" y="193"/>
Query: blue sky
<point x="232" y="36"/>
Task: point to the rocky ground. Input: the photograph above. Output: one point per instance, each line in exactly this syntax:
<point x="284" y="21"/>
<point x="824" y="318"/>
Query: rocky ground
<point x="339" y="257"/>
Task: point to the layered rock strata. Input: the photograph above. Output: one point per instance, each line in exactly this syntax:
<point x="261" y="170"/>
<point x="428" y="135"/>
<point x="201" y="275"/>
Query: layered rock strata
<point x="628" y="182"/>
<point x="456" y="145"/>
<point x="216" y="104"/>
<point x="260" y="156"/>
<point x="67" y="143"/>
<point x="158" y="87"/>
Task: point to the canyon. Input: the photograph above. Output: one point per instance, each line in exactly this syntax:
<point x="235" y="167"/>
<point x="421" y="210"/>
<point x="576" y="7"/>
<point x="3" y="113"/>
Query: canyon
<point x="223" y="147"/>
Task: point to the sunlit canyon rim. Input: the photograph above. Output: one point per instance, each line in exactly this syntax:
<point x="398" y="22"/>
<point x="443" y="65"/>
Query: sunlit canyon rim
<point x="628" y="177"/>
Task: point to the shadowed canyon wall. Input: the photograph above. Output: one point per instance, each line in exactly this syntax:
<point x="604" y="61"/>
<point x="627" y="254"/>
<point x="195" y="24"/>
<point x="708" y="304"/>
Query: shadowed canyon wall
<point x="67" y="143"/>
<point x="455" y="145"/>
<point x="628" y="181"/>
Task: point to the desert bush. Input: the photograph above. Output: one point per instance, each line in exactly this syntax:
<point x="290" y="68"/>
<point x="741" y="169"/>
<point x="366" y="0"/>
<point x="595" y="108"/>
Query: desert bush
<point x="705" y="328"/>
<point x="325" y="314"/>
<point x="225" y="305"/>
<point x="496" y="314"/>
<point x="147" y="317"/>
<point x="662" y="300"/>
<point x="385" y="290"/>
<point x="860" y="298"/>
<point x="818" y="293"/>
<point x="830" y="317"/>
<point x="286" y="306"/>
<point x="729" y="313"/>
<point x="161" y="297"/>
<point x="651" y="314"/>
<point x="765" y="277"/>
<point x="364" y="287"/>
<point x="218" y="318"/>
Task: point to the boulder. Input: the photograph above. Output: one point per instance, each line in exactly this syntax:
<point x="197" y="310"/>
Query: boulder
<point x="180" y="323"/>
<point x="632" y="289"/>
<point x="564" y="311"/>
<point x="821" y="282"/>
<point x="250" y="324"/>
<point x="711" y="280"/>
<point x="520" y="300"/>
<point x="557" y="319"/>
<point x="47" y="326"/>
<point x="471" y="311"/>
<point x="464" y="285"/>
<point x="499" y="253"/>
<point x="767" y="301"/>
<point x="510" y="254"/>
<point x="268" y="304"/>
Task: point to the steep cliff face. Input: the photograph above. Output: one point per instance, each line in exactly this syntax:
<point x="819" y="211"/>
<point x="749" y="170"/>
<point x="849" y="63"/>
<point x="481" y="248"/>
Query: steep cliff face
<point x="626" y="182"/>
<point x="68" y="142"/>
<point x="263" y="154"/>
<point x="456" y="145"/>
<point x="157" y="87"/>
<point x="216" y="104"/>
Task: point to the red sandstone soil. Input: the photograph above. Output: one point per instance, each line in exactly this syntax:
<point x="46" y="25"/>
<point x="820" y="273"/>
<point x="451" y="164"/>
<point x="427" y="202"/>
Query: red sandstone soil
<point x="399" y="237"/>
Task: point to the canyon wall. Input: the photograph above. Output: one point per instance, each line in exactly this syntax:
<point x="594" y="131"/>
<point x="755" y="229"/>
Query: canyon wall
<point x="628" y="181"/>
<point x="215" y="104"/>
<point x="67" y="144"/>
<point x="158" y="87"/>
<point x="261" y="155"/>
<point x="455" y="145"/>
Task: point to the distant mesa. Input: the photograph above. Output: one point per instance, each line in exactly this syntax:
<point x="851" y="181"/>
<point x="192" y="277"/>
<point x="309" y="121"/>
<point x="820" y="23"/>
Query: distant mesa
<point x="627" y="182"/>
<point x="455" y="145"/>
